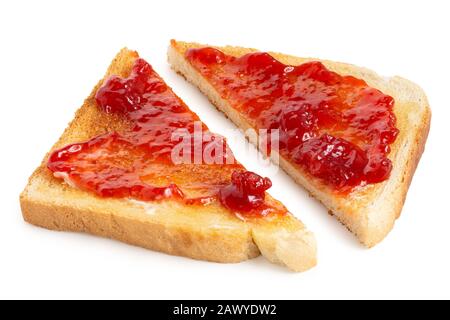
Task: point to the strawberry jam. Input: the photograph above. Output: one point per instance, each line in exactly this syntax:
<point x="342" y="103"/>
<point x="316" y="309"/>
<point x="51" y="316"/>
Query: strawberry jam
<point x="138" y="161"/>
<point x="335" y="127"/>
<point x="246" y="191"/>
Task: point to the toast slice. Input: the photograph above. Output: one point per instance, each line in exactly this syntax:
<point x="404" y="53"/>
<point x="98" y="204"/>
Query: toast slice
<point x="369" y="211"/>
<point x="206" y="232"/>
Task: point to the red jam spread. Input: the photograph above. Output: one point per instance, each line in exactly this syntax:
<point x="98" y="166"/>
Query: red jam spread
<point x="137" y="162"/>
<point x="335" y="127"/>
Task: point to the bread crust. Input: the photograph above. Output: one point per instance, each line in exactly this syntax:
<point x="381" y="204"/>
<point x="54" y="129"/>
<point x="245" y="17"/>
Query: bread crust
<point x="201" y="232"/>
<point x="369" y="212"/>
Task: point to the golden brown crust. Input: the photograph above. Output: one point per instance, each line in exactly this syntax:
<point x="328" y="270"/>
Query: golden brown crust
<point x="200" y="232"/>
<point x="370" y="211"/>
<point x="416" y="154"/>
<point x="233" y="247"/>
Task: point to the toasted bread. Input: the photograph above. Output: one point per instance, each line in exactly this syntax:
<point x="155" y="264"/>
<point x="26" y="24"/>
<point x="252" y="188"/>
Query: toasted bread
<point x="369" y="211"/>
<point x="201" y="232"/>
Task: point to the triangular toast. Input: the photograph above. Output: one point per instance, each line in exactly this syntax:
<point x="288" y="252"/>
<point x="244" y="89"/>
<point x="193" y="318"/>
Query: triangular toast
<point x="368" y="211"/>
<point x="207" y="232"/>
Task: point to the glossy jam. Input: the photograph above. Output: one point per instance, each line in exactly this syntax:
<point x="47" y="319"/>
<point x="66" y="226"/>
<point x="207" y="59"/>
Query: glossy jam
<point x="246" y="191"/>
<point x="335" y="127"/>
<point x="137" y="162"/>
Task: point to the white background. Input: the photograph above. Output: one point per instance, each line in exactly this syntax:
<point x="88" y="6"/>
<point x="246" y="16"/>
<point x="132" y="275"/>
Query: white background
<point x="52" y="54"/>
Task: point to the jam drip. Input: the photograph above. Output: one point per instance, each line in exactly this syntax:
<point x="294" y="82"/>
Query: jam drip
<point x="137" y="162"/>
<point x="335" y="127"/>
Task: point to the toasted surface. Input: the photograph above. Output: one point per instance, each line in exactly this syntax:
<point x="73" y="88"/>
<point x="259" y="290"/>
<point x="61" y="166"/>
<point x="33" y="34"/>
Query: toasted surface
<point x="201" y="232"/>
<point x="370" y="211"/>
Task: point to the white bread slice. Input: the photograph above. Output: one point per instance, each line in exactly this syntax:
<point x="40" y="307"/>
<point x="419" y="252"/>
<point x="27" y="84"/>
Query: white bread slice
<point x="369" y="212"/>
<point x="201" y="232"/>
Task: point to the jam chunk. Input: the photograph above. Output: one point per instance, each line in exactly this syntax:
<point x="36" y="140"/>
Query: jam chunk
<point x="246" y="191"/>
